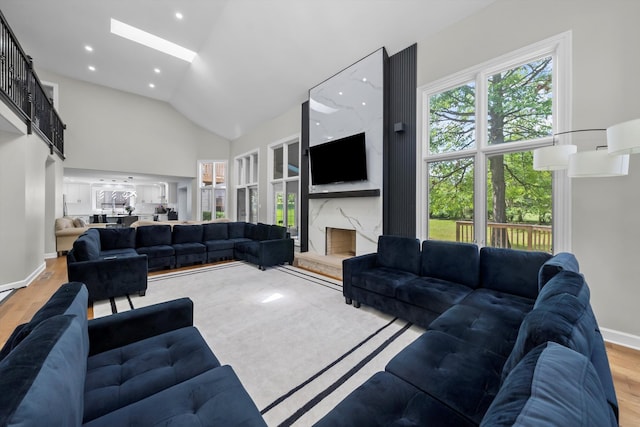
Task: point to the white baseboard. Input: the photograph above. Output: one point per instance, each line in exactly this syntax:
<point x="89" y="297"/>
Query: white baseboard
<point x="51" y="255"/>
<point x="621" y="338"/>
<point x="25" y="282"/>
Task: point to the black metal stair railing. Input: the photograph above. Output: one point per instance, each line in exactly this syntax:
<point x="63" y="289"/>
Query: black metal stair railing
<point x="22" y="91"/>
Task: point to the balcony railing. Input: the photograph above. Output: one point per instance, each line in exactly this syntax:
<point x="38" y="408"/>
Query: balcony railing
<point x="22" y="91"/>
<point x="516" y="236"/>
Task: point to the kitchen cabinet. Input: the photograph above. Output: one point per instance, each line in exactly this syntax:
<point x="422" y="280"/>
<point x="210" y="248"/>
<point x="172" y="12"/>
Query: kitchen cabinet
<point x="77" y="193"/>
<point x="149" y="194"/>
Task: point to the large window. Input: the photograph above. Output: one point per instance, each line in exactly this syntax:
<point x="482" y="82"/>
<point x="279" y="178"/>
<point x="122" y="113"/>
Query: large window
<point x="284" y="166"/>
<point x="213" y="189"/>
<point x="480" y="128"/>
<point x="247" y="187"/>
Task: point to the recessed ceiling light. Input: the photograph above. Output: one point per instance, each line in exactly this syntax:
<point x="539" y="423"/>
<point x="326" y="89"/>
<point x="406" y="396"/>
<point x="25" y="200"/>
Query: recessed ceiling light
<point x="151" y="85"/>
<point x="340" y="93"/>
<point x="364" y="79"/>
<point x="364" y="103"/>
<point x="154" y="42"/>
<point x="88" y="48"/>
<point x="156" y="70"/>
<point x="179" y="15"/>
<point x="91" y="68"/>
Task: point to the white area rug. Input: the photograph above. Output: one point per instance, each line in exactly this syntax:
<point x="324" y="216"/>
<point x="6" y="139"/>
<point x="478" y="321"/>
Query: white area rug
<point x="296" y="346"/>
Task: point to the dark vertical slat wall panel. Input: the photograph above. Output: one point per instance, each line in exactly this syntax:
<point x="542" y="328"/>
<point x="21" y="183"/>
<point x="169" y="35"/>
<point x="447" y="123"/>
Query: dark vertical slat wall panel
<point x="400" y="184"/>
<point x="304" y="178"/>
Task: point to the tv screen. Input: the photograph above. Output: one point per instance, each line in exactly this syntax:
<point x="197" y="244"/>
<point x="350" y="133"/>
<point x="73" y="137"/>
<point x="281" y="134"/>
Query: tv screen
<point x="341" y="160"/>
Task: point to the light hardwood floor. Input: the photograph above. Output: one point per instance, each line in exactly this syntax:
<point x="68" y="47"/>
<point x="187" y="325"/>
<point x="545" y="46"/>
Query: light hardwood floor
<point x="23" y="303"/>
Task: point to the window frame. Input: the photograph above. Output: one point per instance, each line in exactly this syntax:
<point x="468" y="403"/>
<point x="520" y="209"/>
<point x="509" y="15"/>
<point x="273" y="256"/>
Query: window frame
<point x="559" y="48"/>
<point x="284" y="144"/>
<point x="246" y="173"/>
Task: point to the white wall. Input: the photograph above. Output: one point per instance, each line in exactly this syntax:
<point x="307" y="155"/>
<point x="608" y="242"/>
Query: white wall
<point x="605" y="234"/>
<point x="282" y="126"/>
<point x="111" y="130"/>
<point x="24" y="211"/>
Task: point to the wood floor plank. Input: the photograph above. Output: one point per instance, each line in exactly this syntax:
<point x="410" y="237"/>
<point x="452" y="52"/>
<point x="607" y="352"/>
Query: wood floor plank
<point x="20" y="306"/>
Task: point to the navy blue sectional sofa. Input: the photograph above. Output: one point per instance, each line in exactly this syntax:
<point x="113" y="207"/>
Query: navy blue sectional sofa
<point x="148" y="366"/>
<point x="106" y="261"/>
<point x="511" y="339"/>
<point x="115" y="261"/>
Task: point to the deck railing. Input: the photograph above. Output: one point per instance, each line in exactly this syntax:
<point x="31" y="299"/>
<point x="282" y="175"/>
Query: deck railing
<point x="22" y="91"/>
<point x="517" y="236"/>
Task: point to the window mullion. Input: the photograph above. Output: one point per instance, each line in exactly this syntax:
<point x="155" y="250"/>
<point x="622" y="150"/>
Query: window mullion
<point x="480" y="182"/>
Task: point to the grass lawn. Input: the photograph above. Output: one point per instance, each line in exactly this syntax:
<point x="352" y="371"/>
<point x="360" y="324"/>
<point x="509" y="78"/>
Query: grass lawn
<point x="442" y="229"/>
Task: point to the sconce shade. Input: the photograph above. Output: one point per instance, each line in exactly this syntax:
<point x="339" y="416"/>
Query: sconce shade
<point x="597" y="163"/>
<point x="553" y="157"/>
<point x="624" y="138"/>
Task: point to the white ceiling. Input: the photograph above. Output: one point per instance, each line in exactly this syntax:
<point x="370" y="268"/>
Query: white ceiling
<point x="256" y="58"/>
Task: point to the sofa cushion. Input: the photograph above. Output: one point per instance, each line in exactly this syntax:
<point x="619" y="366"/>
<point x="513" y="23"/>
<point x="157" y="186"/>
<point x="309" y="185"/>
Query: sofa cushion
<point x="218" y="245"/>
<point x="250" y="231"/>
<point x="189" y="248"/>
<point x="552" y="385"/>
<point x="215" y="397"/>
<point x="42" y="379"/>
<point x="117" y="253"/>
<point x="495" y="331"/>
<point x="79" y="223"/>
<point x="87" y="246"/>
<point x="400" y="253"/>
<point x="277" y="232"/>
<point x="153" y="235"/>
<point x="215" y="231"/>
<point x="511" y="271"/>
<point x="561" y="319"/>
<point x="262" y="231"/>
<point x="451" y="261"/>
<point x="62" y="223"/>
<point x="236" y="229"/>
<point x="117" y="238"/>
<point x="462" y="376"/>
<point x="435" y="295"/>
<point x="386" y="400"/>
<point x="565" y="282"/>
<point x="563" y="261"/>
<point x="70" y="298"/>
<point x="157" y="251"/>
<point x="382" y="280"/>
<point x="187" y="234"/>
<point x="124" y="375"/>
<point x="249" y="247"/>
<point x="499" y="302"/>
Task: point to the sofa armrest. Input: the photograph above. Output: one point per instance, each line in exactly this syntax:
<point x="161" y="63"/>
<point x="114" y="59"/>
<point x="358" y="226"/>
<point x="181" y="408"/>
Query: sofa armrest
<point x="276" y="251"/>
<point x="120" y="329"/>
<point x="353" y="266"/>
<point x="106" y="278"/>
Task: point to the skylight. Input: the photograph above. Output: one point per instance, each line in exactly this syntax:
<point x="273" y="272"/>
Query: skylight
<point x="147" y="39"/>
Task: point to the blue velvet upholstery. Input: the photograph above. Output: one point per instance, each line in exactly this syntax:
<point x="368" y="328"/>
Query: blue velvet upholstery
<point x="385" y="400"/>
<point x="117" y="238"/>
<point x="511" y="271"/>
<point x="42" y="378"/>
<point x="563" y="261"/>
<point x="565" y="282"/>
<point x="124" y="375"/>
<point x="552" y="386"/>
<point x="494" y="330"/>
<point x="562" y="319"/>
<point x="213" y="398"/>
<point x="236" y="229"/>
<point x="261" y="232"/>
<point x="146" y="366"/>
<point x="70" y="298"/>
<point x="154" y="241"/>
<point x="399" y="253"/>
<point x="434" y="295"/>
<point x="87" y="246"/>
<point x="218" y="250"/>
<point x="215" y="231"/>
<point x="488" y="299"/>
<point x="463" y="376"/>
<point x="451" y="261"/>
<point x="110" y="268"/>
<point x="187" y="244"/>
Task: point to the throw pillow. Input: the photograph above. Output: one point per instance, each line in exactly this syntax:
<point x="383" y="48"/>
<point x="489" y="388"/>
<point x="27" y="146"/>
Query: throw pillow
<point x="79" y="223"/>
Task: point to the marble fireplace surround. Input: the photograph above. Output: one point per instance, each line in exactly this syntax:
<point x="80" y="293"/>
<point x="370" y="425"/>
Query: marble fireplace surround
<point x="350" y="102"/>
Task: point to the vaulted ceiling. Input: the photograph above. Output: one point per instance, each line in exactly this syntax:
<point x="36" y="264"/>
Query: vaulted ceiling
<point x="255" y="60"/>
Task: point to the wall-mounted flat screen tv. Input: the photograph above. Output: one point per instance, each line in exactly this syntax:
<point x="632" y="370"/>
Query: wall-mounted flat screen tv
<point x="341" y="160"/>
